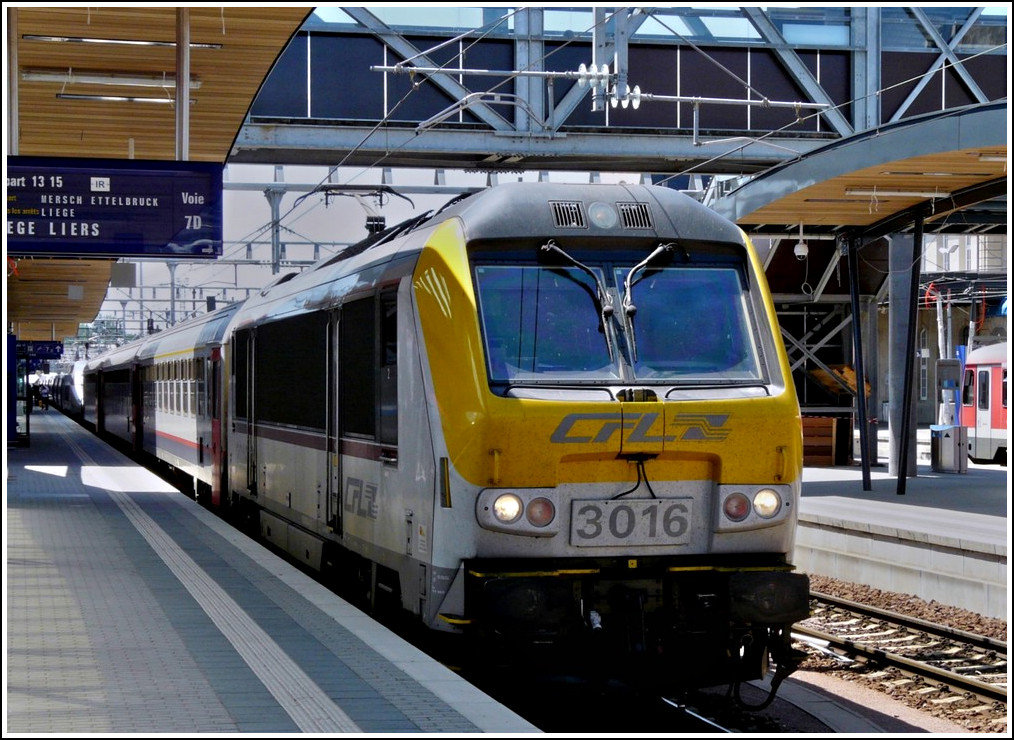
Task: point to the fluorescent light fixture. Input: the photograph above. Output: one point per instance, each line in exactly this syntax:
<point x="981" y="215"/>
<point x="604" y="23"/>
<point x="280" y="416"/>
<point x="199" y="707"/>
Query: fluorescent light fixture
<point x="833" y="200"/>
<point x="992" y="158"/>
<point x="910" y="173"/>
<point x="878" y="193"/>
<point x="118" y="98"/>
<point x="70" y="77"/>
<point x="121" y="42"/>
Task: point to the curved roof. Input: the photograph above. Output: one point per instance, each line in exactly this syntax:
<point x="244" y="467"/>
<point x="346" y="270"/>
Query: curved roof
<point x="942" y="163"/>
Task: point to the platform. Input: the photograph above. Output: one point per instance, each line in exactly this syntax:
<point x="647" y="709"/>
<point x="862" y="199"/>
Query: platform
<point x="129" y="608"/>
<point x="944" y="538"/>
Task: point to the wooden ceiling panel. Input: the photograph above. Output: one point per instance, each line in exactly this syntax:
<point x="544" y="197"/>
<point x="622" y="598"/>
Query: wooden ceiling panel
<point x="829" y="202"/>
<point x="247" y="41"/>
<point x="45" y="297"/>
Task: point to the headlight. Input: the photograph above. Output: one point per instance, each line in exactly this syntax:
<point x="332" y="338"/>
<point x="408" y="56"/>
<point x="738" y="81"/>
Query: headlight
<point x="736" y="506"/>
<point x="507" y="508"/>
<point x="540" y="512"/>
<point x="741" y="507"/>
<point x="602" y="215"/>
<point x="528" y="513"/>
<point x="767" y="503"/>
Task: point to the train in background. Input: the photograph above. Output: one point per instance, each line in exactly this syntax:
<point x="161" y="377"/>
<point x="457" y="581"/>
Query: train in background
<point x="984" y="403"/>
<point x="544" y="416"/>
<point x="66" y="390"/>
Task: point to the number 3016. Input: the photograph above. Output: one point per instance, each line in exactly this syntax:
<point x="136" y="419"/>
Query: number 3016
<point x="640" y="522"/>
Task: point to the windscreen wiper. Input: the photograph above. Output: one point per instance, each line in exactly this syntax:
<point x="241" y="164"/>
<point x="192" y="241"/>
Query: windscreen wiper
<point x="605" y="300"/>
<point x="629" y="309"/>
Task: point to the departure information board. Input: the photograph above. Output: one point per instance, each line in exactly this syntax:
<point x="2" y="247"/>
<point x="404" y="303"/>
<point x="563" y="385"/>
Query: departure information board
<point x="113" y="208"/>
<point x="45" y="350"/>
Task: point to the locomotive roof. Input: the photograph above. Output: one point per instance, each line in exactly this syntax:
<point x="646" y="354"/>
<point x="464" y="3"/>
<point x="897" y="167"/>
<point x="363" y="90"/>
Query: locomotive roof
<point x="522" y="209"/>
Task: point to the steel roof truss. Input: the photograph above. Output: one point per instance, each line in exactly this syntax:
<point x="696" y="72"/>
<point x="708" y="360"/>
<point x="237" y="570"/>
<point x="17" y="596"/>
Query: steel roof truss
<point x="834" y="313"/>
<point x="800" y="73"/>
<point x="819" y="363"/>
<point x="946" y="55"/>
<point x="397" y="43"/>
<point x="832" y="268"/>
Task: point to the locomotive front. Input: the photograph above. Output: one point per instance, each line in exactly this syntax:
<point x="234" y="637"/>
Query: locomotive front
<point x="618" y="429"/>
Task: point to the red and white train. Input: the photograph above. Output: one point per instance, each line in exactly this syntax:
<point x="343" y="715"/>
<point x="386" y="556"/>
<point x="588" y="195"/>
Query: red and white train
<point x="984" y="403"/>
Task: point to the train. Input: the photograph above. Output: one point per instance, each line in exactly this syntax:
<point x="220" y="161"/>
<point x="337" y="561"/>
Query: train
<point x="66" y="390"/>
<point x="984" y="403"/>
<point x="544" y="418"/>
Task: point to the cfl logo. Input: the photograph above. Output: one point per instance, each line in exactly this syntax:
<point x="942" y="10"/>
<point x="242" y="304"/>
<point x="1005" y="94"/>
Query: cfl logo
<point x="703" y="427"/>
<point x="599" y="428"/>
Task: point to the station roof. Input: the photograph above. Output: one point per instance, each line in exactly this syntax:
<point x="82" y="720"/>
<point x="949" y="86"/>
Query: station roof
<point x="962" y="153"/>
<point x="948" y="169"/>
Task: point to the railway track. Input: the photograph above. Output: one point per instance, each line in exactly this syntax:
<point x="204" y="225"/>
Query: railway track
<point x="939" y="664"/>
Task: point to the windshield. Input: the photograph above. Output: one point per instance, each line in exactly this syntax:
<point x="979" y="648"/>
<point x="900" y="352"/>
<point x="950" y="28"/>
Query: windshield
<point x="542" y="323"/>
<point x="692" y="323"/>
<point x="689" y="323"/>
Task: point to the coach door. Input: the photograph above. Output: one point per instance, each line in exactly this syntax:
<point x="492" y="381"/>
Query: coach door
<point x="214" y="385"/>
<point x="135" y="420"/>
<point x="333" y="498"/>
<point x="243" y="381"/>
<point x="983" y="413"/>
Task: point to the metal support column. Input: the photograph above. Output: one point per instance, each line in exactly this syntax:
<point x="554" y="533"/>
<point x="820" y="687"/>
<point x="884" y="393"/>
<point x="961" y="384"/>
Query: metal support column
<point x="852" y="246"/>
<point x="183" y="84"/>
<point x="274" y="196"/>
<point x="871" y="368"/>
<point x="172" y="293"/>
<point x="913" y="329"/>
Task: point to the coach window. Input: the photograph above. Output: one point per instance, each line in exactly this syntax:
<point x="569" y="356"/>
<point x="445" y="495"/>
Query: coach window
<point x="192" y="364"/>
<point x="368" y="368"/>
<point x="240" y="372"/>
<point x="983" y="394"/>
<point x="290" y="371"/>
<point x="968" y="389"/>
<point x="389" y="369"/>
<point x="357" y="360"/>
<point x="201" y="386"/>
